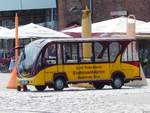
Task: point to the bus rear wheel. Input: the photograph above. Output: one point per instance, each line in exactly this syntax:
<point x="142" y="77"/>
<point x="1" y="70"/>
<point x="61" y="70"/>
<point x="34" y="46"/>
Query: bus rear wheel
<point x="59" y="84"/>
<point x="117" y="83"/>
<point x="40" y="88"/>
<point x="98" y="85"/>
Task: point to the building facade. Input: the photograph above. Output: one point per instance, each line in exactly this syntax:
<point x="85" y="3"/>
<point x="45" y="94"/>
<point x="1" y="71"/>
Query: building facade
<point x="69" y="11"/>
<point x="37" y="11"/>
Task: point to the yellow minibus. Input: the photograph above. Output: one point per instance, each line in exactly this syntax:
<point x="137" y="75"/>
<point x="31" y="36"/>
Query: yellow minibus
<point x="55" y="63"/>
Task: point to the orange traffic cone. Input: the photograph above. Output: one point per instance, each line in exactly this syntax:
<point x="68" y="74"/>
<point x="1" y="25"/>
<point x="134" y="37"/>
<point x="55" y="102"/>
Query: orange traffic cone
<point x="12" y="84"/>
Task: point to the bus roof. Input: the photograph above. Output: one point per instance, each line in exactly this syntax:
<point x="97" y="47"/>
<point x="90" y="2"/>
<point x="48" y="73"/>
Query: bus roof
<point x="42" y="42"/>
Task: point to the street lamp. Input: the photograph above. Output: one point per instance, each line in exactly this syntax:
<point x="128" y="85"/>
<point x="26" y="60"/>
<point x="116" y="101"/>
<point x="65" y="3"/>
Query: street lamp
<point x="84" y="3"/>
<point x="90" y="2"/>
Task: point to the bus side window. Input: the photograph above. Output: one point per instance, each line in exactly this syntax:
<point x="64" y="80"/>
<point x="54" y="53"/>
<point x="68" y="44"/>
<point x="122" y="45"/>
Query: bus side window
<point x="50" y="55"/>
<point x="101" y="52"/>
<point x="70" y="53"/>
<point x="130" y="53"/>
<point x="125" y="55"/>
<point x="114" y="49"/>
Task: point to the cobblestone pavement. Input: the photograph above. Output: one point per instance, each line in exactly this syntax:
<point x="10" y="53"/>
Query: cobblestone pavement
<point x="74" y="100"/>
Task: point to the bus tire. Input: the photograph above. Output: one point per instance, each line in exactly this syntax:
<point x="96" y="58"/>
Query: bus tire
<point x="59" y="84"/>
<point x="98" y="85"/>
<point x="18" y="88"/>
<point x="40" y="87"/>
<point x="117" y="82"/>
<point x="24" y="87"/>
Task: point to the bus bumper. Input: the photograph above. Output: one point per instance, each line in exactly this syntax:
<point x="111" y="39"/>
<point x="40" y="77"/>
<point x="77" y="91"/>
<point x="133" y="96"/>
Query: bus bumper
<point x="23" y="82"/>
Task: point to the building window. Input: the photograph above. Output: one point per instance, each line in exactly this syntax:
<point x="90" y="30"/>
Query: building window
<point x="45" y="17"/>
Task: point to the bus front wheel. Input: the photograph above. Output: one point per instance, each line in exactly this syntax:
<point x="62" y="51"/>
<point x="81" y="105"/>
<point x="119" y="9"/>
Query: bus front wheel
<point x="98" y="85"/>
<point x="59" y="84"/>
<point x="40" y="88"/>
<point x="18" y="88"/>
<point x="117" y="83"/>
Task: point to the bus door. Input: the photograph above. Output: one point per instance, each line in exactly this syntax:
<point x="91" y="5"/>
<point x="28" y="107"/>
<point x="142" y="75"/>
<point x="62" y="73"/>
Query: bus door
<point x="130" y="60"/>
<point x="70" y="60"/>
<point x="50" y="61"/>
<point x="101" y="65"/>
<point x="114" y="56"/>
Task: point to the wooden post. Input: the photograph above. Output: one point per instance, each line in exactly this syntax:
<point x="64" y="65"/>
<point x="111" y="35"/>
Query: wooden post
<point x="86" y="32"/>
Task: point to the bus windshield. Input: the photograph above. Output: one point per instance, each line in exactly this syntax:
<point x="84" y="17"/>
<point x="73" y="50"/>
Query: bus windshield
<point x="27" y="58"/>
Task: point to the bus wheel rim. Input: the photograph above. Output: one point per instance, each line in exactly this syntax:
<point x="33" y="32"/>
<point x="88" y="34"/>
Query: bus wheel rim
<point x="59" y="84"/>
<point x="118" y="82"/>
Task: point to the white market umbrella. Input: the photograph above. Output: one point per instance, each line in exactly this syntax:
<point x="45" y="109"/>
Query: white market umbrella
<point x="37" y="31"/>
<point x="2" y="29"/>
<point x="116" y="25"/>
<point x="3" y="32"/>
<point x="6" y="33"/>
<point x="11" y="35"/>
<point x="144" y="28"/>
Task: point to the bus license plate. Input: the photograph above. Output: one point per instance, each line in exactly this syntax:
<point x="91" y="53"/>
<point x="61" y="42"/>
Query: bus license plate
<point x="23" y="82"/>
